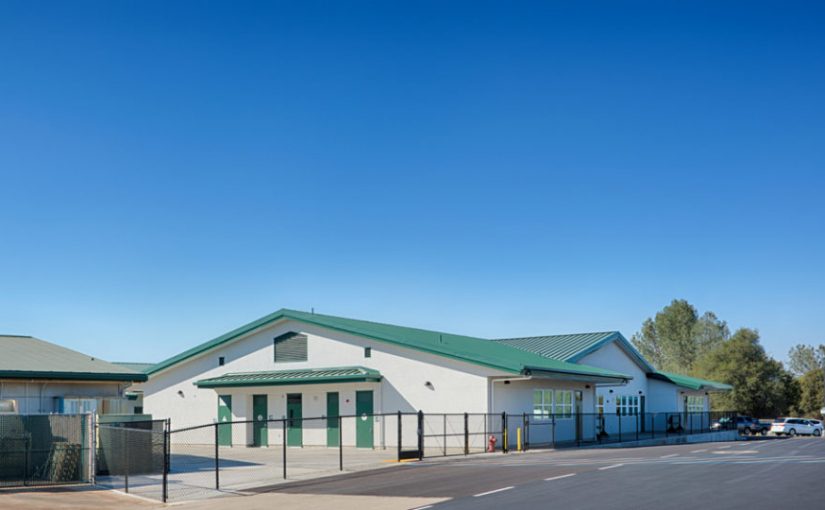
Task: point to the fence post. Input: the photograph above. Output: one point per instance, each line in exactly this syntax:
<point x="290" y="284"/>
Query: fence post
<point x="420" y="433"/>
<point x="166" y="460"/>
<point x="217" y="461"/>
<point x="619" y="419"/>
<point x="525" y="439"/>
<point x="504" y="437"/>
<point x="283" y="440"/>
<point x="553" y="431"/>
<point x="340" y="443"/>
<point x="652" y="426"/>
<point x="466" y="434"/>
<point x="125" y="445"/>
<point x="444" y="445"/>
<point x="399" y="436"/>
<point x="637" y="425"/>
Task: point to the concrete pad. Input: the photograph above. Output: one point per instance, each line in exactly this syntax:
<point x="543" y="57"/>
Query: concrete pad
<point x="71" y="498"/>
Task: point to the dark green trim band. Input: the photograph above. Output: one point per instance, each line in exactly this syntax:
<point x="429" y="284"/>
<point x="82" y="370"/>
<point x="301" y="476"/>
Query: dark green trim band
<point x="72" y="376"/>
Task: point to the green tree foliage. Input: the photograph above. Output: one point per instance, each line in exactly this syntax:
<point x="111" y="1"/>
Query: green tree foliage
<point x="761" y="385"/>
<point x="677" y="336"/>
<point x="805" y="358"/>
<point x="811" y="395"/>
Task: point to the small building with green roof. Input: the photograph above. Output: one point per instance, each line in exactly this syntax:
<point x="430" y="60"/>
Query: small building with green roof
<point x="40" y="377"/>
<point x="293" y="364"/>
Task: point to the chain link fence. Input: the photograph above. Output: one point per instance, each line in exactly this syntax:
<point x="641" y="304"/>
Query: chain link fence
<point x="45" y="449"/>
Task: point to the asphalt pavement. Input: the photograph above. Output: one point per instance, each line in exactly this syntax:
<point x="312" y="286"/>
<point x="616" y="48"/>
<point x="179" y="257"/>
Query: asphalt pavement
<point x="757" y="474"/>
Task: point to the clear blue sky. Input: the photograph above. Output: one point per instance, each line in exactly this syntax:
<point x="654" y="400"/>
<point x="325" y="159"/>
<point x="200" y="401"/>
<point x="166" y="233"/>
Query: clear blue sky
<point x="171" y="170"/>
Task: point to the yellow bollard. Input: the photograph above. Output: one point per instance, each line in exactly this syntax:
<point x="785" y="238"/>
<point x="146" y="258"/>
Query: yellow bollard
<point x="518" y="439"/>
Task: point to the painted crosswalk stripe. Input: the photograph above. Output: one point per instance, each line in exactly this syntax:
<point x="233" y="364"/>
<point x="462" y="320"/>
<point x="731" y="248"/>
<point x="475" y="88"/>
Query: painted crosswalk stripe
<point x="568" y="475"/>
<point x="492" y="492"/>
<point x="610" y="467"/>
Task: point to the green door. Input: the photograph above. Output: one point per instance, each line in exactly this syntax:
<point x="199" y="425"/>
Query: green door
<point x="363" y="412"/>
<point x="260" y="435"/>
<point x="294" y="434"/>
<point x="225" y="416"/>
<point x="332" y="419"/>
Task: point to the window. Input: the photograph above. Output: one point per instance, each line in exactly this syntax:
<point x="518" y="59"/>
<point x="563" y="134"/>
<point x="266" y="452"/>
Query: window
<point x="368" y="352"/>
<point x="290" y="347"/>
<point x="695" y="404"/>
<point x="79" y="405"/>
<point x="600" y="405"/>
<point x="138" y="409"/>
<point x="627" y="405"/>
<point x="221" y="361"/>
<point x="564" y="403"/>
<point x="548" y="402"/>
<point x="542" y="403"/>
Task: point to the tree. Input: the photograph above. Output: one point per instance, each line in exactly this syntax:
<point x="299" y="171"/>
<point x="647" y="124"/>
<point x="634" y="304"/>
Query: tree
<point x="805" y="358"/>
<point x="677" y="336"/>
<point x="811" y="395"/>
<point x="761" y="385"/>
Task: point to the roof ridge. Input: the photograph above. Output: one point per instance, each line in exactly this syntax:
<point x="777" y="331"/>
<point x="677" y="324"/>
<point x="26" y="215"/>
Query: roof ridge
<point x="556" y="335"/>
<point x="338" y="317"/>
<point x="16" y="336"/>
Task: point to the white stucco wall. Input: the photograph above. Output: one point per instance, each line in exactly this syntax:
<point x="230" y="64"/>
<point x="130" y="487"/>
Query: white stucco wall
<point x="455" y="385"/>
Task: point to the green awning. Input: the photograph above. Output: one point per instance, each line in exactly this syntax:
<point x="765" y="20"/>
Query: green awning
<point x="290" y="377"/>
<point x="691" y="383"/>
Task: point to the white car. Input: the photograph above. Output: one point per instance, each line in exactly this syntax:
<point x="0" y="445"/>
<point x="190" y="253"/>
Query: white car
<point x="794" y="426"/>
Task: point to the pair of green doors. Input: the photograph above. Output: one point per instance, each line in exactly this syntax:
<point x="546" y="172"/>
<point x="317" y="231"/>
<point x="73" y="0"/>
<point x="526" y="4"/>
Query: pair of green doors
<point x="364" y="428"/>
<point x="260" y="431"/>
<point x="364" y="431"/>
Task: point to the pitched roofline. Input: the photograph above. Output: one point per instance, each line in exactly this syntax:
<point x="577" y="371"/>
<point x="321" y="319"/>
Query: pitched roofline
<point x="623" y="343"/>
<point x="285" y="314"/>
<point x="692" y="383"/>
<point x="73" y="376"/>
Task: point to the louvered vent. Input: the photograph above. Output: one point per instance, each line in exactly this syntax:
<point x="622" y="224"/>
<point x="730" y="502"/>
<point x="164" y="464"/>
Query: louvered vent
<point x="290" y="347"/>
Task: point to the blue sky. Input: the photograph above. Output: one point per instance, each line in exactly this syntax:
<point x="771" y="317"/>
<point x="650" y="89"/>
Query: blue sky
<point x="171" y="170"/>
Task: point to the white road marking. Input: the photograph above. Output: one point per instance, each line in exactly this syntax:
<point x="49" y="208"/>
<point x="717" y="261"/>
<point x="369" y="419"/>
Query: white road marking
<point x="723" y="447"/>
<point x="422" y="507"/>
<point x="699" y="451"/>
<point x="610" y="467"/>
<point x="669" y="456"/>
<point x="492" y="492"/>
<point x="568" y="475"/>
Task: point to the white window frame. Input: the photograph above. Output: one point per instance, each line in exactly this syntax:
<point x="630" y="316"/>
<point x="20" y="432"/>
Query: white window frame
<point x="542" y="406"/>
<point x="695" y="404"/>
<point x="627" y="405"/>
<point x="563" y="407"/>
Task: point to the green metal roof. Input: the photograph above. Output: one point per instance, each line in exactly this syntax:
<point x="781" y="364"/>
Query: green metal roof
<point x="572" y="348"/>
<point x="464" y="348"/>
<point x="283" y="377"/>
<point x="25" y="357"/>
<point x="134" y="366"/>
<point x="692" y="383"/>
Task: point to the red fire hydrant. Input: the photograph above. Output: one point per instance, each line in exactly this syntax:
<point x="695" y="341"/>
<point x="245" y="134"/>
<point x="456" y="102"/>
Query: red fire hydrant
<point x="491" y="444"/>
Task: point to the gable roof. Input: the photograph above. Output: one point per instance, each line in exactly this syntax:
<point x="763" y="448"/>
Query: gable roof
<point x="463" y="348"/>
<point x="26" y="357"/>
<point x="574" y="347"/>
<point x="693" y="383"/>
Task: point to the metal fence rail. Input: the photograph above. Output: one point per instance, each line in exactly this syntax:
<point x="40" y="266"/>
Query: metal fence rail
<point x="45" y="449"/>
<point x="151" y="460"/>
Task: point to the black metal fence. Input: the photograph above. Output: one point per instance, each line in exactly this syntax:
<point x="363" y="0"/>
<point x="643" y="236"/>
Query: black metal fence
<point x="151" y="460"/>
<point x="45" y="449"/>
<point x="132" y="456"/>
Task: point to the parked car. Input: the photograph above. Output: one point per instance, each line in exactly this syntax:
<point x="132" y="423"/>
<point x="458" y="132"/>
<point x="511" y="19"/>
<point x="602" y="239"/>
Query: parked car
<point x="795" y="426"/>
<point x="744" y="424"/>
<point x="818" y="426"/>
